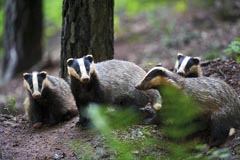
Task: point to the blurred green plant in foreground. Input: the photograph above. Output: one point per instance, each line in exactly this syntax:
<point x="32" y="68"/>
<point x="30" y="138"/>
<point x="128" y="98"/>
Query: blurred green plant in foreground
<point x="121" y="137"/>
<point x="125" y="139"/>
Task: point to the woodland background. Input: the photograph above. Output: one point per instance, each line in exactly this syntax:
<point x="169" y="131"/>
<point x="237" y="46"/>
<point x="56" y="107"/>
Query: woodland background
<point x="146" y="32"/>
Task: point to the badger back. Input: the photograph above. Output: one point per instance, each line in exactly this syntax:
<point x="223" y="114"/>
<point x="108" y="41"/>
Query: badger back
<point x="118" y="78"/>
<point x="120" y="75"/>
<point x="213" y="93"/>
<point x="60" y="87"/>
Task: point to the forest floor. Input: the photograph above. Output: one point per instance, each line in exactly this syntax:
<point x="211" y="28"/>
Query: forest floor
<point x="198" y="34"/>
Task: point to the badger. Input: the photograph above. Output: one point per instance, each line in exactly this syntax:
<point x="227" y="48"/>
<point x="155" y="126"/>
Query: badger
<point x="187" y="66"/>
<point x="219" y="103"/>
<point x="108" y="82"/>
<point x="49" y="99"/>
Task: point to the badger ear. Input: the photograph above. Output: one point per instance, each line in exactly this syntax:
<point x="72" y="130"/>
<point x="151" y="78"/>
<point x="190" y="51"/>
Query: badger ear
<point x="179" y="55"/>
<point x="196" y="60"/>
<point x="157" y="71"/>
<point x="26" y="75"/>
<point x="43" y="74"/>
<point x="89" y="57"/>
<point x="70" y="61"/>
<point x="159" y="65"/>
<point x="161" y="73"/>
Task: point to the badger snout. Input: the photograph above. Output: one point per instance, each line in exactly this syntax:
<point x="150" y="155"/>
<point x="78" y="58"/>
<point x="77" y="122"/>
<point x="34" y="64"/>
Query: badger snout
<point x="85" y="79"/>
<point x="36" y="95"/>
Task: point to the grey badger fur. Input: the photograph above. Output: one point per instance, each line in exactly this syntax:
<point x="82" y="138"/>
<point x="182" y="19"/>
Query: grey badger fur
<point x="49" y="101"/>
<point x="108" y="82"/>
<point x="187" y="66"/>
<point x="218" y="101"/>
<point x="190" y="67"/>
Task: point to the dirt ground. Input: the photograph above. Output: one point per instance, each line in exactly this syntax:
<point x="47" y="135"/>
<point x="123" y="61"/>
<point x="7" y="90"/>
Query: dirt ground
<point x="194" y="34"/>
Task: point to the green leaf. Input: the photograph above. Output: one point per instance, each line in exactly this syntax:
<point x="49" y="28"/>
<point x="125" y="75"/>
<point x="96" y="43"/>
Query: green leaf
<point x="180" y="6"/>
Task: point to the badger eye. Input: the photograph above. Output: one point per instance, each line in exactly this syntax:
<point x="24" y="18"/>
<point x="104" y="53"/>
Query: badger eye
<point x="31" y="86"/>
<point x="87" y="68"/>
<point x="78" y="71"/>
<point x="148" y="78"/>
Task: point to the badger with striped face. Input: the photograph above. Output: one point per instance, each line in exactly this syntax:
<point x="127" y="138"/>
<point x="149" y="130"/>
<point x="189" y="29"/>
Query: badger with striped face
<point x="109" y="82"/>
<point x="49" y="101"/>
<point x="81" y="68"/>
<point x="35" y="82"/>
<point x="187" y="66"/>
<point x="155" y="77"/>
<point x="219" y="103"/>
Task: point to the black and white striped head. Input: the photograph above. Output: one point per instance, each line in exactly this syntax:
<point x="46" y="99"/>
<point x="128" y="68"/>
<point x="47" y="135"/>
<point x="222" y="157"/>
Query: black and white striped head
<point x="154" y="78"/>
<point x="35" y="83"/>
<point x="187" y="66"/>
<point x="81" y="68"/>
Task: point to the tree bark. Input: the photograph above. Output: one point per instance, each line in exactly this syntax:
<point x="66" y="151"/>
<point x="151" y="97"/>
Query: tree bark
<point x="22" y="36"/>
<point x="228" y="10"/>
<point x="87" y="28"/>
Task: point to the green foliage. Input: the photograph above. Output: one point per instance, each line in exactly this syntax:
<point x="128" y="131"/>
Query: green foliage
<point x="177" y="115"/>
<point x="134" y="7"/>
<point x="52" y="11"/>
<point x="119" y="137"/>
<point x="104" y="117"/>
<point x="123" y="139"/>
<point x="233" y="49"/>
<point x="212" y="55"/>
<point x="178" y="126"/>
<point x="10" y="108"/>
<point x="105" y="121"/>
<point x="86" y="150"/>
<point x="180" y="6"/>
<point x="130" y="9"/>
<point x="1" y="22"/>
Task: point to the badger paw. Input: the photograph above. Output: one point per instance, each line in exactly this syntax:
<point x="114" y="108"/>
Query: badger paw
<point x="37" y="125"/>
<point x="83" y="123"/>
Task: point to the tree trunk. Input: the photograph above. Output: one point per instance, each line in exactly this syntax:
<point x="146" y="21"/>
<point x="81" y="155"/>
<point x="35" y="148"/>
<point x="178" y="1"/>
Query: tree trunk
<point x="228" y="10"/>
<point x="22" y="36"/>
<point x="87" y="28"/>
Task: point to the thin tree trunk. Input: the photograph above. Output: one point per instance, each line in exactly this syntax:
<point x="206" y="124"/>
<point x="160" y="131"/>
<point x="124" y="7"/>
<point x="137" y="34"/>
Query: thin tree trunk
<point x="22" y="36"/>
<point x="87" y="28"/>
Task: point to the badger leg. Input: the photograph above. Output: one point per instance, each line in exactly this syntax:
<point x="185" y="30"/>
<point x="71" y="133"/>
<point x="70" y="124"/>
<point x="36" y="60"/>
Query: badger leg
<point x="54" y="118"/>
<point x="83" y="120"/>
<point x="219" y="131"/>
<point x="149" y="114"/>
<point x="26" y="104"/>
<point x="70" y="114"/>
<point x="57" y="113"/>
<point x="37" y="125"/>
<point x="34" y="113"/>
